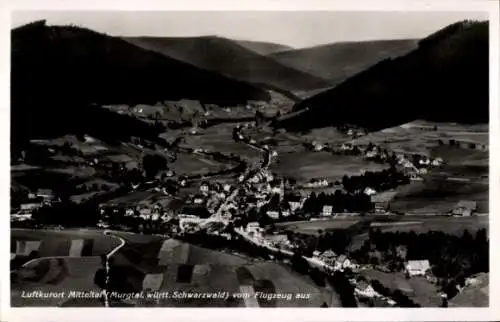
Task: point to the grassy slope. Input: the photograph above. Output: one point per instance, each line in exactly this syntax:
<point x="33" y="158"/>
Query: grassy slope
<point x="338" y="61"/>
<point x="231" y="59"/>
<point x="445" y="79"/>
<point x="263" y="48"/>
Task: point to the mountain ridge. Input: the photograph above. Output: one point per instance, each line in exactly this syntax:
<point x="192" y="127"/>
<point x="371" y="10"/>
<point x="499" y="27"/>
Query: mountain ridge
<point x="439" y="81"/>
<point x="229" y="58"/>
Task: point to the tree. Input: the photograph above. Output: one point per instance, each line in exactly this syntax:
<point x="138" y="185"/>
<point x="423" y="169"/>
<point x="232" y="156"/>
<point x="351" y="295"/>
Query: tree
<point x="299" y="263"/>
<point x="152" y="164"/>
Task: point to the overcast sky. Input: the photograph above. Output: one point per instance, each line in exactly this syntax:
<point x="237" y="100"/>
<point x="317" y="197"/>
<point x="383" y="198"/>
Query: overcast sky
<point x="293" y="28"/>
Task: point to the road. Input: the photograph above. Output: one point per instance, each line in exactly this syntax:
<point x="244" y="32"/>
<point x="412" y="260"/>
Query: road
<point x="107" y="265"/>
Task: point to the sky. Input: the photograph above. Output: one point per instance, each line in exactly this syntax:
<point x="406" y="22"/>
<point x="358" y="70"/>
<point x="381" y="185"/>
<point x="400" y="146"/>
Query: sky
<point x="297" y="29"/>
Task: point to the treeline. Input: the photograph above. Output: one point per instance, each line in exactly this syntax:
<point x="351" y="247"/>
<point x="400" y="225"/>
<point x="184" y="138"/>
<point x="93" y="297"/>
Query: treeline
<point x="452" y="258"/>
<point x="396" y="295"/>
<point x="340" y="202"/>
<point x="380" y="181"/>
<point x="58" y="72"/>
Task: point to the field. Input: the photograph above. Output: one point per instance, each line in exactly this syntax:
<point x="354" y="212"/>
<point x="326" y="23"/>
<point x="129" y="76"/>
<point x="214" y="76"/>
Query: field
<point x="422" y="224"/>
<point x="448" y="225"/>
<point x="439" y="196"/>
<point x="189" y="164"/>
<point x="219" y="138"/>
<point x="150" y="262"/>
<point x="312" y="227"/>
<point x="306" y="165"/>
<point x="417" y="289"/>
<point x="58" y="243"/>
<point x="61" y="273"/>
<point x="420" y="137"/>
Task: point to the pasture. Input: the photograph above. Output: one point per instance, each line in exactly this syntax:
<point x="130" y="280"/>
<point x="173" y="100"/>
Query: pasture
<point x="219" y="138"/>
<point x="439" y="196"/>
<point x="305" y="165"/>
<point x="417" y="289"/>
<point x="312" y="227"/>
<point x="191" y="164"/>
<point x="167" y="265"/>
<point x="420" y="137"/>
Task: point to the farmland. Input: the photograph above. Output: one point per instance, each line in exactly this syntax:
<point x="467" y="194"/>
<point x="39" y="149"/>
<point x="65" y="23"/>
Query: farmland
<point x="312" y="227"/>
<point x="305" y="165"/>
<point x="420" y="137"/>
<point x="417" y="289"/>
<point x="175" y="266"/>
<point x="439" y="196"/>
<point x="219" y="138"/>
<point x="189" y="164"/>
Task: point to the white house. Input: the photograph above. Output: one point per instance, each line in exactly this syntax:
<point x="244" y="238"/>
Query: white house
<point x="417" y="267"/>
<point x="437" y="162"/>
<point x="273" y="214"/>
<point x="316" y="254"/>
<point x="198" y="200"/>
<point x="327" y="210"/>
<point x="342" y="262"/>
<point x="369" y="191"/>
<point x="363" y="289"/>
<point x="204" y="187"/>
<point x="227" y="187"/>
<point x="422" y="171"/>
<point x="346" y="147"/>
<point x="145" y="213"/>
<point x="28" y="207"/>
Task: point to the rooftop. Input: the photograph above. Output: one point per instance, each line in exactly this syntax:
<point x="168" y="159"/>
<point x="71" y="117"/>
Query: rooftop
<point x="468" y="204"/>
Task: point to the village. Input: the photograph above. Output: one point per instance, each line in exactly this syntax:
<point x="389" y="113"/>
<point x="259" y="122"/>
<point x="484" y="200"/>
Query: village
<point x="252" y="208"/>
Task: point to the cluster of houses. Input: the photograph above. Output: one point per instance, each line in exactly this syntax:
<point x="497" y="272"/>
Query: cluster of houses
<point x="34" y="201"/>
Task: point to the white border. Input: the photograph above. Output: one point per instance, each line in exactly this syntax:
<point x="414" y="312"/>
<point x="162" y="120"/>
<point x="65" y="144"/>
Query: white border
<point x="242" y="314"/>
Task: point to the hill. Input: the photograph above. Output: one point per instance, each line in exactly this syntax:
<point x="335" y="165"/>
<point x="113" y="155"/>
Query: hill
<point x="59" y="71"/>
<point x="263" y="48"/>
<point x="445" y="80"/>
<point x="338" y="61"/>
<point x="231" y="59"/>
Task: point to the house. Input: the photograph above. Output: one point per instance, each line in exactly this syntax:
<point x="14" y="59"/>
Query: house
<point x="382" y="200"/>
<point x="294" y="201"/>
<point x="273" y="214"/>
<point x="278" y="240"/>
<point x="253" y="225"/>
<point x="464" y="208"/>
<point x="342" y="262"/>
<point x="364" y="289"/>
<point x="29" y="207"/>
<point x="315" y="183"/>
<point x="417" y="267"/>
<point x="198" y="199"/>
<point x="316" y="253"/>
<point x="145" y="213"/>
<point x="437" y="162"/>
<point x="370" y="154"/>
<point x="327" y="210"/>
<point x="328" y="256"/>
<point x="422" y="171"/>
<point x="415" y="177"/>
<point x="346" y="147"/>
<point x="46" y="194"/>
<point x="317" y="146"/>
<point x="226" y="187"/>
<point x="204" y="187"/>
<point x="369" y="191"/>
